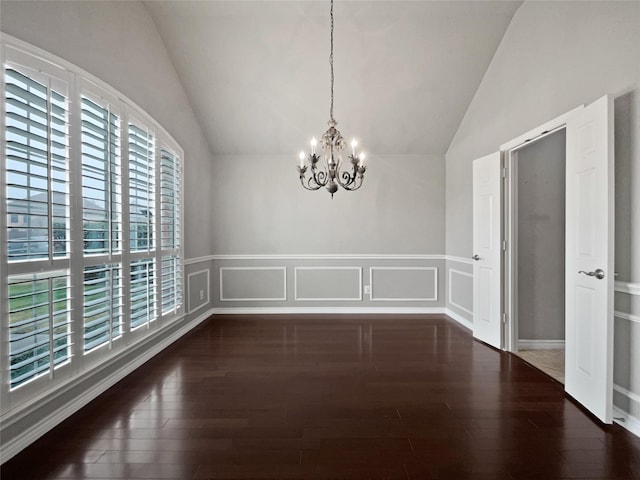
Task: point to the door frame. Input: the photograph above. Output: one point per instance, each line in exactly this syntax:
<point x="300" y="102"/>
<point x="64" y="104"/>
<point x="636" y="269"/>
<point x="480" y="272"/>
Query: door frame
<point x="509" y="151"/>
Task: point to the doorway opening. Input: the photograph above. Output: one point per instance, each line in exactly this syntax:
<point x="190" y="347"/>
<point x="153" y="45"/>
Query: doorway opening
<point x="536" y="198"/>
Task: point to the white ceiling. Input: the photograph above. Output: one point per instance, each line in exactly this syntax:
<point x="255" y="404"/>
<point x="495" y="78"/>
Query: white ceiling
<point x="257" y="72"/>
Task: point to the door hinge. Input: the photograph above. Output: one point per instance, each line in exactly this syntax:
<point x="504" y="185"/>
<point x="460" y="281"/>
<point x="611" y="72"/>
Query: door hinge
<point x="504" y="245"/>
<point x="504" y="318"/>
<point x="504" y="172"/>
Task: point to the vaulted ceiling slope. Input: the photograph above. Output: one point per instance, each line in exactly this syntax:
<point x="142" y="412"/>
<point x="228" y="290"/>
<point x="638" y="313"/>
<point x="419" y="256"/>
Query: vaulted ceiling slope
<point x="257" y="72"/>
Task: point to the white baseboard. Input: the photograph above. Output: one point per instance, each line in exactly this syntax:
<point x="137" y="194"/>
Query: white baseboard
<point x="626" y="420"/>
<point x="344" y="310"/>
<point x="31" y="434"/>
<point x="459" y="318"/>
<point x="540" y="344"/>
<point x="327" y="310"/>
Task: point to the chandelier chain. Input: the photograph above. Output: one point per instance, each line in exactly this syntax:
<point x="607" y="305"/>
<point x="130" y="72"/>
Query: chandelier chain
<point x="331" y="63"/>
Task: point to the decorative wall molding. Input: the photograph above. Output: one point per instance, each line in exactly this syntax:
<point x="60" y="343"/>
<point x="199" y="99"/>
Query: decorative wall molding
<point x="207" y="299"/>
<point x="450" y="289"/>
<point x="432" y="298"/>
<point x="339" y="256"/>
<point x="257" y="299"/>
<point x="524" y="344"/>
<point x="75" y="403"/>
<point x="453" y="258"/>
<point x="194" y="260"/>
<point x="321" y="299"/>
<point x="627" y="287"/>
<point x="627" y="393"/>
<point x="627" y="316"/>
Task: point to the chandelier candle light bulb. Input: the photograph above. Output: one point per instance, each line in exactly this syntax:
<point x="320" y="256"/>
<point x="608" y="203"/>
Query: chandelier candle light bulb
<point x="331" y="144"/>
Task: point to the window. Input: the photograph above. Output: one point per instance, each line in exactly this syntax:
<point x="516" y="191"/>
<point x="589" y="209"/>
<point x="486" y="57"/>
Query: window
<point x="170" y="187"/>
<point x="101" y="179"/>
<point x="141" y="188"/>
<point x="143" y="292"/>
<point x="36" y="166"/>
<point x="39" y="324"/>
<point x="69" y="265"/>
<point x="102" y="300"/>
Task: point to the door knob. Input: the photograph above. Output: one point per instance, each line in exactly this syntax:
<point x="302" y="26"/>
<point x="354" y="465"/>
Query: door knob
<point x="599" y="273"/>
<point x="476" y="257"/>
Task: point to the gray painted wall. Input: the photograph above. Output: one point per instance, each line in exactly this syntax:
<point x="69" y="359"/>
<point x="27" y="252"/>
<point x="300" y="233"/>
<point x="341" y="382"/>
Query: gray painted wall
<point x="262" y="211"/>
<point x="554" y="57"/>
<point x="541" y="219"/>
<point x="118" y="43"/>
<point x="260" y="208"/>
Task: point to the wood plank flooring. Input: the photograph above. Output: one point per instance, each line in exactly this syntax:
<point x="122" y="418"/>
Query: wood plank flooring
<point x="339" y="397"/>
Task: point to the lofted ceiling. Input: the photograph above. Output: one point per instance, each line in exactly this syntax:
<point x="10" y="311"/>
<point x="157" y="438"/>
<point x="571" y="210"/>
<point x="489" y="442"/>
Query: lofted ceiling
<point x="257" y="72"/>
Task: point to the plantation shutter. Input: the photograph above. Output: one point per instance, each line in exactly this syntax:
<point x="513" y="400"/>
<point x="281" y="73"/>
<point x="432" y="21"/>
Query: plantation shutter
<point x="143" y="292"/>
<point x="39" y="324"/>
<point x="102" y="298"/>
<point x="101" y="179"/>
<point x="37" y="164"/>
<point x="141" y="188"/>
<point x="170" y="212"/>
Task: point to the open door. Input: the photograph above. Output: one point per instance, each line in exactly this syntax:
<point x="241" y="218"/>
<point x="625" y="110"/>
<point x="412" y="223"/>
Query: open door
<point x="487" y="284"/>
<point x="589" y="258"/>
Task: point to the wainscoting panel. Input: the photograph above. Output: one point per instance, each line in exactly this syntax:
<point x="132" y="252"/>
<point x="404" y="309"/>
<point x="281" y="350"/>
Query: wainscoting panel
<point x="408" y="284"/>
<point x="328" y="283"/>
<point x="460" y="290"/>
<point x="336" y="283"/>
<point x="252" y="284"/>
<point x="198" y="288"/>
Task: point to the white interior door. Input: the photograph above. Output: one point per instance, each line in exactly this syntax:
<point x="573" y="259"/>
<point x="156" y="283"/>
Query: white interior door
<point x="486" y="250"/>
<point x="589" y="258"/>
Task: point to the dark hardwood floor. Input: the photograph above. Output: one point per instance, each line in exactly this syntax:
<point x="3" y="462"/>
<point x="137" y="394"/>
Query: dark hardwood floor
<point x="332" y="397"/>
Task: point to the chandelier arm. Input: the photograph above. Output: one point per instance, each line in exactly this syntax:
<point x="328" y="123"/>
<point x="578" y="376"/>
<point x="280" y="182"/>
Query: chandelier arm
<point x="311" y="182"/>
<point x="355" y="185"/>
<point x="309" y="187"/>
<point x="320" y="177"/>
<point x="345" y="179"/>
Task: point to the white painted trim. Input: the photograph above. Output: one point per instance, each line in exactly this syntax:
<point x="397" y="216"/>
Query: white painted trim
<point x="627" y="421"/>
<point x="450" y="289"/>
<point x="453" y="258"/>
<point x="321" y="299"/>
<point x="33" y="433"/>
<point x="272" y="299"/>
<point x="540" y="131"/>
<point x="466" y="323"/>
<point x="627" y="287"/>
<point x="199" y="272"/>
<point x="332" y="256"/>
<point x="627" y="393"/>
<point x="434" y="298"/>
<point x="194" y="260"/>
<point x="627" y="316"/>
<point x="337" y="256"/>
<point x="328" y="310"/>
<point x="524" y="344"/>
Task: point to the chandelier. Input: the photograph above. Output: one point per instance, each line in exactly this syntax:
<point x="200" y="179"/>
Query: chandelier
<point x="329" y="174"/>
